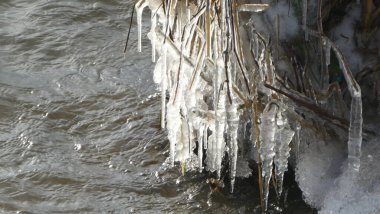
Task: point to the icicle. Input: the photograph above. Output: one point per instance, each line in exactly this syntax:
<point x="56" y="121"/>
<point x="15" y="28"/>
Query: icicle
<point x="327" y="52"/>
<point x="163" y="102"/>
<point x="297" y="140"/>
<point x="205" y="138"/>
<point x="233" y="123"/>
<point x="216" y="142"/>
<point x="153" y="40"/>
<point x="174" y="124"/>
<point x="356" y="118"/>
<point x="164" y="86"/>
<point x="267" y="134"/>
<point x="284" y="136"/>
<point x="355" y="133"/>
<point x="211" y="152"/>
<point x="139" y="9"/>
<point x="220" y="127"/>
<point x="183" y="144"/>
<point x="200" y="146"/>
<point x="191" y="138"/>
<point x="139" y="14"/>
<point x="304" y="19"/>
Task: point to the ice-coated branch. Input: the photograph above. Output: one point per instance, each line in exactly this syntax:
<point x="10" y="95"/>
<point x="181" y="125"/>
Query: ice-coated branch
<point x="356" y="118"/>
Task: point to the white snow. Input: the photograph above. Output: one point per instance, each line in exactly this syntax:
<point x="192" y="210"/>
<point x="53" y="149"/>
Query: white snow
<point x="354" y="193"/>
<point x="329" y="184"/>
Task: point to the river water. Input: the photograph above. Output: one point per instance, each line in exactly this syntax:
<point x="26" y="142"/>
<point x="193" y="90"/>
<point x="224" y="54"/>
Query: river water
<point x="79" y="120"/>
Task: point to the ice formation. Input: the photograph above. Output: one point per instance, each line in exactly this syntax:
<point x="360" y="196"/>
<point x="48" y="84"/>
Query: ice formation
<point x="356" y="119"/>
<point x="327" y="51"/>
<point x="268" y="132"/>
<point x="220" y="77"/>
<point x="284" y="135"/>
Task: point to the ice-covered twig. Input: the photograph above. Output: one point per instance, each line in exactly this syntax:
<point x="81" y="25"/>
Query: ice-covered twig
<point x="252" y="7"/>
<point x="356" y="118"/>
<point x="340" y="122"/>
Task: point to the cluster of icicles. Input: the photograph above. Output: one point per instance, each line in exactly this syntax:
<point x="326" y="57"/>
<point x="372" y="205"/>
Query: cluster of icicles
<point x="214" y="80"/>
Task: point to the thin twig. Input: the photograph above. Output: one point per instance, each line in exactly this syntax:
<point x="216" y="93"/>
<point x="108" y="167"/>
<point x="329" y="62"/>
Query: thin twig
<point x="129" y="29"/>
<point x="237" y="55"/>
<point x="340" y="122"/>
<point x="200" y="59"/>
<point x="155" y="13"/>
<point x="247" y="103"/>
<point x="180" y="61"/>
<point x="227" y="51"/>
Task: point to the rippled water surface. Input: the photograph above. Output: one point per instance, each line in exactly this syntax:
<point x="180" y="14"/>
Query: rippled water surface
<point x="79" y="120"/>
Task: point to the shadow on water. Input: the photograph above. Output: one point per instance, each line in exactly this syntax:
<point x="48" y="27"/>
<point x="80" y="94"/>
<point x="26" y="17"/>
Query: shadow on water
<point x="79" y="121"/>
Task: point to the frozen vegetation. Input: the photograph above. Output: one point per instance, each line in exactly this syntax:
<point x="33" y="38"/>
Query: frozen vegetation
<point x="233" y="78"/>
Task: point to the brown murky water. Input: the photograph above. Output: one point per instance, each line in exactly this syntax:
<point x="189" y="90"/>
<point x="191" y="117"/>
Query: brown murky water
<point x="79" y="120"/>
